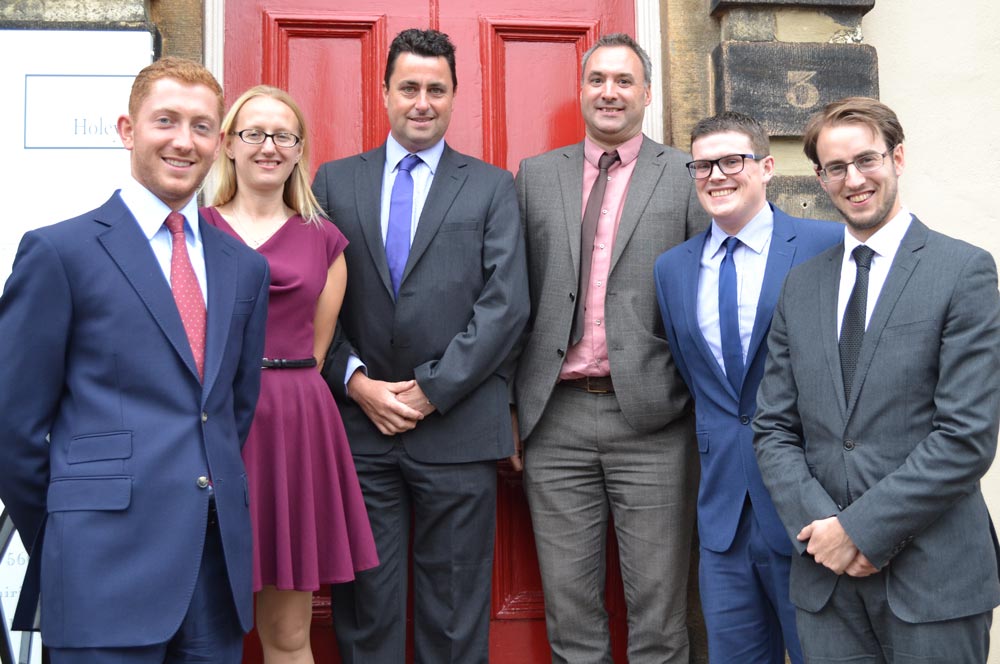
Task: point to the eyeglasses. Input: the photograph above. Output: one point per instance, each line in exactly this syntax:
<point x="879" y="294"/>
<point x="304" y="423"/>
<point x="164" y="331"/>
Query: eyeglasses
<point x="866" y="163"/>
<point x="281" y="139"/>
<point x="731" y="164"/>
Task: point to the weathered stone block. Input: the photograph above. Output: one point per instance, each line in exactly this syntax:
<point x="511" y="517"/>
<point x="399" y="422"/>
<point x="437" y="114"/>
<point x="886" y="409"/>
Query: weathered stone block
<point x="747" y="24"/>
<point x="863" y="5"/>
<point x="782" y="84"/>
<point x="801" y="196"/>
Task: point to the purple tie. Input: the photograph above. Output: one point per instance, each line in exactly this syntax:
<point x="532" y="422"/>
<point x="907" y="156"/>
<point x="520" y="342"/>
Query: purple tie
<point x="397" y="236"/>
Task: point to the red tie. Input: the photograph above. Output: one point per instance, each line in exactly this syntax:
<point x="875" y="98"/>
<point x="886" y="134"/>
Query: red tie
<point x="187" y="292"/>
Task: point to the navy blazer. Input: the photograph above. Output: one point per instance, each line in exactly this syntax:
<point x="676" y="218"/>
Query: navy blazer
<point x="725" y="440"/>
<point x="105" y="427"/>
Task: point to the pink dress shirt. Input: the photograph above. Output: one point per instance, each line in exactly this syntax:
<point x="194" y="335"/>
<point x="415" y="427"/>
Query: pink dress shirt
<point x="590" y="356"/>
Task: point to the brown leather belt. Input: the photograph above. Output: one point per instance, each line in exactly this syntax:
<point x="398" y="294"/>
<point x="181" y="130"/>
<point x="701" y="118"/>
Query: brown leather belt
<point x="592" y="384"/>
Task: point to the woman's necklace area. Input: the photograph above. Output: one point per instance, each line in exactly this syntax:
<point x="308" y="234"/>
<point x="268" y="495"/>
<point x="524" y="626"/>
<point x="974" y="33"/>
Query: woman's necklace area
<point x="256" y="233"/>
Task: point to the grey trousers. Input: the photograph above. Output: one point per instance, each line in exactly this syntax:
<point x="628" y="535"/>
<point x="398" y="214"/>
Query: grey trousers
<point x="858" y="626"/>
<point x="584" y="462"/>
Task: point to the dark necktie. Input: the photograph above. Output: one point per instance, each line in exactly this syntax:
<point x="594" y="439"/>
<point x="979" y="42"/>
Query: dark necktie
<point x="187" y="292"/>
<point x="729" y="317"/>
<point x="852" y="330"/>
<point x="588" y="232"/>
<point x="397" y="235"/>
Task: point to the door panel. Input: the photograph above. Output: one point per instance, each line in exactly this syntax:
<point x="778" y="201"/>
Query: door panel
<point x="518" y="68"/>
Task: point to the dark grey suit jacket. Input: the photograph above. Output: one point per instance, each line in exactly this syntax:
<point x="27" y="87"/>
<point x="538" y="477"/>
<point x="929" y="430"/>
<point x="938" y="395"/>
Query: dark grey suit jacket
<point x="661" y="210"/>
<point x="900" y="464"/>
<point x="462" y="304"/>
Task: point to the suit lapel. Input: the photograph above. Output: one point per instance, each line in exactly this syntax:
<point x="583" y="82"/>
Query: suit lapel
<point x="448" y="181"/>
<point x="130" y="250"/>
<point x="900" y="272"/>
<point x="569" y="173"/>
<point x="780" y="256"/>
<point x="690" y="271"/>
<point x="368" y="195"/>
<point x="648" y="169"/>
<point x="829" y="287"/>
<point x="221" y="271"/>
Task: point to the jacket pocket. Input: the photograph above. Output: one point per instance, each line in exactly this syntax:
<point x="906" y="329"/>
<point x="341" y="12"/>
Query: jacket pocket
<point x="100" y="447"/>
<point x="89" y="493"/>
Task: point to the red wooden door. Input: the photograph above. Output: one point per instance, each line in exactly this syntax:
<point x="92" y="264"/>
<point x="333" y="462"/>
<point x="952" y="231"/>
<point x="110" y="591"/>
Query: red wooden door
<point x="518" y="67"/>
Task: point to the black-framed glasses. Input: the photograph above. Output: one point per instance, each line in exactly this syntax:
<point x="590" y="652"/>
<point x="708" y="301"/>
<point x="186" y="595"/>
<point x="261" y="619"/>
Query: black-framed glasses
<point x="866" y="163"/>
<point x="731" y="164"/>
<point x="281" y="139"/>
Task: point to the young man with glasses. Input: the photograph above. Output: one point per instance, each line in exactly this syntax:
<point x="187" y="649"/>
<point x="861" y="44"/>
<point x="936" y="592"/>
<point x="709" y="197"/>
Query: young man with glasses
<point x="716" y="293"/>
<point x="878" y="416"/>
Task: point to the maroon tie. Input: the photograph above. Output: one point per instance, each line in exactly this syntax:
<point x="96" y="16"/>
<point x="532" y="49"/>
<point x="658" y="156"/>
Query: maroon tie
<point x="588" y="233"/>
<point x="187" y="292"/>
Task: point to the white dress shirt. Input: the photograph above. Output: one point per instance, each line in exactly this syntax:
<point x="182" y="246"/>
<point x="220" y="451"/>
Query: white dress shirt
<point x="750" y="261"/>
<point x="885" y="242"/>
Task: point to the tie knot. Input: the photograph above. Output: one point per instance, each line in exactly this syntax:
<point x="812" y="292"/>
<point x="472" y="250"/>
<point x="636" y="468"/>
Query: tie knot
<point x="607" y="160"/>
<point x="730" y="243"/>
<point x="863" y="256"/>
<point x="175" y="223"/>
<point x="409" y="162"/>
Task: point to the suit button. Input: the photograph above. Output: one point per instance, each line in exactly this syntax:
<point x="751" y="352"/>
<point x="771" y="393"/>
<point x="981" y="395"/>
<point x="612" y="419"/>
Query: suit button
<point x="202" y="482"/>
<point x="560" y="352"/>
<point x="848" y="445"/>
<point x="744" y="419"/>
<point x="204" y="417"/>
<point x="572" y="297"/>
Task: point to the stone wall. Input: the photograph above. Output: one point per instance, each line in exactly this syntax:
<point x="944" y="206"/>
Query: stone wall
<point x="176" y="24"/>
<point x="778" y="60"/>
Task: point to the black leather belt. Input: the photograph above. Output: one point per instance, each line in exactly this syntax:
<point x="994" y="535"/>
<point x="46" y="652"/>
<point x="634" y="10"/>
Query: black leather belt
<point x="268" y="363"/>
<point x="592" y="384"/>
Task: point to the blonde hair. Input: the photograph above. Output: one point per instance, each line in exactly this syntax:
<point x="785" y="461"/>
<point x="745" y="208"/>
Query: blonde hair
<point x="297" y="195"/>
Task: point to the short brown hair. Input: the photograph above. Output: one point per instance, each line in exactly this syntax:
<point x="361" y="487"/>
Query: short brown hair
<point x="185" y="71"/>
<point x="736" y="122"/>
<point x="853" y="110"/>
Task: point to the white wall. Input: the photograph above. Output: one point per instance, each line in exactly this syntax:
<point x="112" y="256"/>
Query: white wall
<point x="939" y="69"/>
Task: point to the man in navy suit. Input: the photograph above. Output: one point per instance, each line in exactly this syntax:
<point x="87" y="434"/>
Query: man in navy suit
<point x="744" y="563"/>
<point x="128" y="379"/>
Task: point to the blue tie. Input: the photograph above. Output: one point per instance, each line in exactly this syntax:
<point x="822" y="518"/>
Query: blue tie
<point x="729" y="317"/>
<point x="397" y="236"/>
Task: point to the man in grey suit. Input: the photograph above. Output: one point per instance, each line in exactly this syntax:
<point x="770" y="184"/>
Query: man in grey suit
<point x="605" y="417"/>
<point x="877" y="416"/>
<point x="431" y="312"/>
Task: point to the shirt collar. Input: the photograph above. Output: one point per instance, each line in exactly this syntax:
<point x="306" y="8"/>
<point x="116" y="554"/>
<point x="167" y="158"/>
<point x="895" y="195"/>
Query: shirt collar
<point x="150" y="212"/>
<point x="754" y="235"/>
<point x="394" y="153"/>
<point x="627" y="151"/>
<point x="886" y="240"/>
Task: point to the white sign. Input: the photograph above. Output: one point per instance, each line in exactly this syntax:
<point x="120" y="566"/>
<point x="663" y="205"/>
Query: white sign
<point x="63" y="93"/>
<point x="63" y="112"/>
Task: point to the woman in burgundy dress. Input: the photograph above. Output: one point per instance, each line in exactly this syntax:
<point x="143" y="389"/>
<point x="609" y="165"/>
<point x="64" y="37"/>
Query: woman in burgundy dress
<point x="309" y="518"/>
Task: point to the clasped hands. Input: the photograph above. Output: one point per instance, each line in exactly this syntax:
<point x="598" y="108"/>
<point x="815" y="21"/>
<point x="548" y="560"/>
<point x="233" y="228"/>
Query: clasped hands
<point x="831" y="546"/>
<point x="392" y="407"/>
